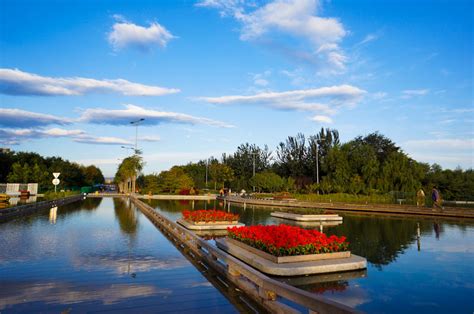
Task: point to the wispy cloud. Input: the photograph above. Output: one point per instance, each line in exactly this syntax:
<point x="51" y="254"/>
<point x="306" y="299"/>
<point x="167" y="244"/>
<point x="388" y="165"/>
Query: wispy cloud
<point x="150" y="139"/>
<point x="459" y="110"/>
<point x="101" y="140"/>
<point x="442" y="144"/>
<point x="409" y="93"/>
<point x="126" y="34"/>
<point x="261" y="79"/>
<point x="17" y="118"/>
<point x="18" y="83"/>
<point x="322" y="119"/>
<point x="451" y="152"/>
<point x="378" y="95"/>
<point x="329" y="99"/>
<point x="367" y="39"/>
<point x="151" y="116"/>
<point x="295" y="18"/>
<point x="16" y="136"/>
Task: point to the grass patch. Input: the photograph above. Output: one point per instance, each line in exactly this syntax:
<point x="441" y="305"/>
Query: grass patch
<point x="49" y="196"/>
<point x="345" y="198"/>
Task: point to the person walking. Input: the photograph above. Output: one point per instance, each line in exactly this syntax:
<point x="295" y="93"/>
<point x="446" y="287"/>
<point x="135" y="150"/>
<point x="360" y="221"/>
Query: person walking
<point x="436" y="197"/>
<point x="420" y="198"/>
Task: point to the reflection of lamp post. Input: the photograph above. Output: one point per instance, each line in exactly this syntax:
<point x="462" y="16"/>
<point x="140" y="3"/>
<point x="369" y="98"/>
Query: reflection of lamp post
<point x="136" y="123"/>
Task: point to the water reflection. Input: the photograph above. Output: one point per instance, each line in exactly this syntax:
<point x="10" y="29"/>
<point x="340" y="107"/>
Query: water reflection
<point x="415" y="264"/>
<point x="53" y="213"/>
<point x="100" y="255"/>
<point x="50" y="292"/>
<point x="120" y="263"/>
<point x="90" y="203"/>
<point x="379" y="238"/>
<point x="126" y="216"/>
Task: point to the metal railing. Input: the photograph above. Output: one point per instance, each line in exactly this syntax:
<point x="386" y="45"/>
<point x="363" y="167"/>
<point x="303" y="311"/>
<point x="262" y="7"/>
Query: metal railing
<point x="268" y="292"/>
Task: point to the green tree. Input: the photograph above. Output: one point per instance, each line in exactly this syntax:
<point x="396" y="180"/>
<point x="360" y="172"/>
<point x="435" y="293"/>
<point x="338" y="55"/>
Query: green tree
<point x="242" y="162"/>
<point x="93" y="175"/>
<point x="268" y="181"/>
<point x="339" y="171"/>
<point x="174" y="180"/>
<point x="19" y="173"/>
<point x="220" y="173"/>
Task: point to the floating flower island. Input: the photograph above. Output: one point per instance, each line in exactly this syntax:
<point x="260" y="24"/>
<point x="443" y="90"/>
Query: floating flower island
<point x="307" y="216"/>
<point x="204" y="220"/>
<point x="290" y="251"/>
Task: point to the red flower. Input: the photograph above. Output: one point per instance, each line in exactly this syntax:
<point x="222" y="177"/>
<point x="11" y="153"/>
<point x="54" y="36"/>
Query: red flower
<point x="284" y="240"/>
<point x="209" y="216"/>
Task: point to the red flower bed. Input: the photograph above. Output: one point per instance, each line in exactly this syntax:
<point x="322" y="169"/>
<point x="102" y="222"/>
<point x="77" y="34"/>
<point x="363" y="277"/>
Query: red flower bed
<point x="284" y="240"/>
<point x="209" y="216"/>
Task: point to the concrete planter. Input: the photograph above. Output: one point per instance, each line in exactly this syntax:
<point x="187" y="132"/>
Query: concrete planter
<point x="296" y="268"/>
<point x="289" y="259"/>
<point x="213" y="223"/>
<point x="208" y="226"/>
<point x="306" y="218"/>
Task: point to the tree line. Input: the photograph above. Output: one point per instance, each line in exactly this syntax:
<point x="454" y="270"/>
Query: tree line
<point x="367" y="165"/>
<point x="27" y="167"/>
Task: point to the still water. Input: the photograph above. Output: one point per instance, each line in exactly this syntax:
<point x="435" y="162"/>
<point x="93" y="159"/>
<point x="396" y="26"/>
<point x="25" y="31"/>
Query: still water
<point x="94" y="256"/>
<point x="432" y="273"/>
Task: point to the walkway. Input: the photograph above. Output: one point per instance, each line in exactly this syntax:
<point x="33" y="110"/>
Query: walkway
<point x="381" y="208"/>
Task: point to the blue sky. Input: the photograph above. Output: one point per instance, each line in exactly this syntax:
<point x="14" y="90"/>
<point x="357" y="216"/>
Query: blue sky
<point x="209" y="75"/>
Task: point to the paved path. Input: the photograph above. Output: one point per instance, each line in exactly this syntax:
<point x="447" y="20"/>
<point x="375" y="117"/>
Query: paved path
<point x="371" y="208"/>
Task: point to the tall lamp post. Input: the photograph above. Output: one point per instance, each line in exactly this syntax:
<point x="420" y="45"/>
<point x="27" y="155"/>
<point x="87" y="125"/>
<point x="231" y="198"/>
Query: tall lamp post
<point x="317" y="161"/>
<point x="253" y="175"/>
<point x="136" y="124"/>
<point x="207" y="165"/>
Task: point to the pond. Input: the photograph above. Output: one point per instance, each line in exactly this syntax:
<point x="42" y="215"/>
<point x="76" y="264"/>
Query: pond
<point x="432" y="273"/>
<point x="99" y="255"/>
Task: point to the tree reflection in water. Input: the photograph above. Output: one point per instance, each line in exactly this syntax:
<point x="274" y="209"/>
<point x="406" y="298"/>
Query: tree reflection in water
<point x="126" y="216"/>
<point x="91" y="203"/>
<point x="379" y="238"/>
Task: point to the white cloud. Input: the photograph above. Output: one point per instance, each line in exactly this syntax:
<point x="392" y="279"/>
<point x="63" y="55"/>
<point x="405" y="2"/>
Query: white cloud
<point x="378" y="95"/>
<point x="16" y="136"/>
<point x="409" y="93"/>
<point x="322" y="119"/>
<point x="442" y="144"/>
<point x="334" y="97"/>
<point x="151" y="116"/>
<point x="459" y="110"/>
<point x="296" y="18"/>
<point x="103" y="140"/>
<point x="18" y="83"/>
<point x="261" y="79"/>
<point x="56" y="132"/>
<point x="149" y="139"/>
<point x="126" y="34"/>
<point x="17" y="118"/>
<point x="449" y="152"/>
<point x="368" y="39"/>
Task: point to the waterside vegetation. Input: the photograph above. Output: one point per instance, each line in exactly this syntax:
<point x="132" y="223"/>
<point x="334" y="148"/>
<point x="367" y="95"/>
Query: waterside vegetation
<point x="366" y="169"/>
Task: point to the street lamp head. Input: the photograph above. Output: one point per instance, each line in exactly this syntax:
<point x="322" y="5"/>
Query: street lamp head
<point x="137" y="121"/>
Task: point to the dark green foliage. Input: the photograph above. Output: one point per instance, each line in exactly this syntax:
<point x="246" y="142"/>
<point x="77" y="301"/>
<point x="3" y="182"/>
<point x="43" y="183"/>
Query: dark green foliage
<point x="26" y="167"/>
<point x="366" y="165"/>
